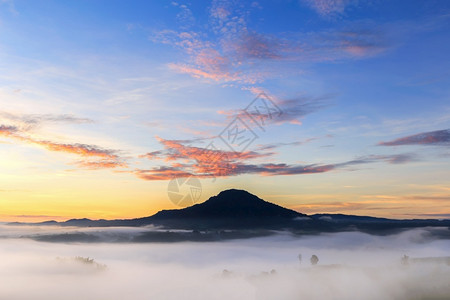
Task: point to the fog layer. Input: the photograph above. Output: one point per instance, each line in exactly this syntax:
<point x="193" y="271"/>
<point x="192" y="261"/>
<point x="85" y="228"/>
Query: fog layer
<point x="351" y="265"/>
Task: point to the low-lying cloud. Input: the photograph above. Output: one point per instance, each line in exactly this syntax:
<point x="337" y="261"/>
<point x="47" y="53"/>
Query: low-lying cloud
<point x="351" y="265"/>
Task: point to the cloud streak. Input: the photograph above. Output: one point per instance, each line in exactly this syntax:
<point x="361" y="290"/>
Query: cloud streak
<point x="286" y="111"/>
<point x="109" y="158"/>
<point x="438" y="138"/>
<point x="185" y="160"/>
<point x="7" y="131"/>
<point x="228" y="50"/>
<point x="34" y="120"/>
<point x="277" y="145"/>
<point x="328" y="7"/>
<point x="395" y="158"/>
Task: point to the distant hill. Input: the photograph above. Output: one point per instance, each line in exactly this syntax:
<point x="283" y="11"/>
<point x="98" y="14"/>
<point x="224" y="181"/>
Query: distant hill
<point x="238" y="204"/>
<point x="239" y="209"/>
<point x="232" y="209"/>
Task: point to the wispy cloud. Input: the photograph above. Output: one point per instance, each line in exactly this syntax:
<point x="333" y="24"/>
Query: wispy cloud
<point x="329" y="7"/>
<point x="277" y="145"/>
<point x="185" y="160"/>
<point x="6" y="130"/>
<point x="102" y="164"/>
<point x="291" y="110"/>
<point x="184" y="16"/>
<point x="378" y="202"/>
<point x="80" y="149"/>
<point x="228" y="50"/>
<point x="177" y="150"/>
<point x="438" y="137"/>
<point x="252" y="45"/>
<point x="437" y="215"/>
<point x="23" y="128"/>
<point x="243" y="58"/>
<point x="162" y="173"/>
<point x="38" y="119"/>
<point x="357" y="41"/>
<point x="395" y="158"/>
<point x="329" y="207"/>
<point x="227" y="167"/>
<point x="109" y="158"/>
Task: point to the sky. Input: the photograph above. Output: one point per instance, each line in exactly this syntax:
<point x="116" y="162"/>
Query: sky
<point x="322" y="106"/>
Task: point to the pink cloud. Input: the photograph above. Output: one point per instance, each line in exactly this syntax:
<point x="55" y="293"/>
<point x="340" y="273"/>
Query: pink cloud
<point x="102" y="164"/>
<point x="208" y="163"/>
<point x="235" y="53"/>
<point x="8" y="130"/>
<point x="199" y="73"/>
<point x="161" y="174"/>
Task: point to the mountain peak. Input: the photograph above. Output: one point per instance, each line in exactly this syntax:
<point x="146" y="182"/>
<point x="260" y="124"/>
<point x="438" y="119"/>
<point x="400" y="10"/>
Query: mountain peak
<point x="232" y="204"/>
<point x="233" y="195"/>
<point x="235" y="192"/>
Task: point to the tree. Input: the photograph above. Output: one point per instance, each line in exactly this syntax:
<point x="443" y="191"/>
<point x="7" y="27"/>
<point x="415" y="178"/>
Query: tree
<point x="405" y="260"/>
<point x="314" y="260"/>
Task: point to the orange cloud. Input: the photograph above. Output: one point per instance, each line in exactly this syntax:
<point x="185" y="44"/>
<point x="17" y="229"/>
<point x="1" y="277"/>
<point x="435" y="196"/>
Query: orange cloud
<point x="110" y="159"/>
<point x="161" y="174"/>
<point x="212" y="162"/>
<point x="8" y="130"/>
<point x="102" y="164"/>
<point x="80" y="149"/>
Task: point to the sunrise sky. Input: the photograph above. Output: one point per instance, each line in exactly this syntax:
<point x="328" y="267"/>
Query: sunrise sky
<point x="103" y="102"/>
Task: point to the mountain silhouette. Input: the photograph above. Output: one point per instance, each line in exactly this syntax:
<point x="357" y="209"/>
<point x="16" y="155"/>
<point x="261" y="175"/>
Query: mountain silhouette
<point x="242" y="211"/>
<point x="237" y="204"/>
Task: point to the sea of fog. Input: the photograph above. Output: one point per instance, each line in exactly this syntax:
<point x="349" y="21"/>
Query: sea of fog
<point x="352" y="265"/>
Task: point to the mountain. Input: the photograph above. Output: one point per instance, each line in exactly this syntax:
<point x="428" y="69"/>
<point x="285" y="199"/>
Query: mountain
<point x="241" y="210"/>
<point x="229" y="209"/>
<point x="236" y="204"/>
